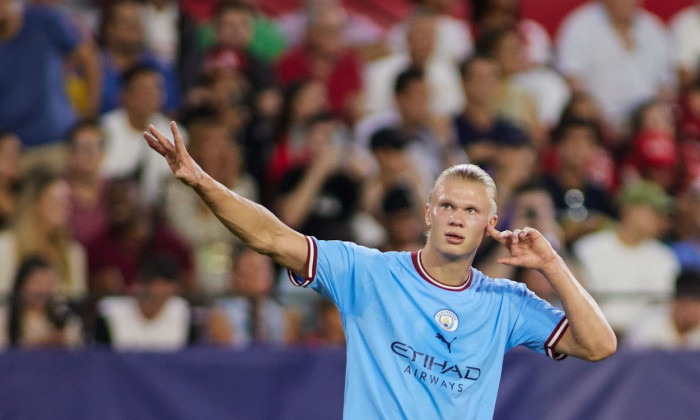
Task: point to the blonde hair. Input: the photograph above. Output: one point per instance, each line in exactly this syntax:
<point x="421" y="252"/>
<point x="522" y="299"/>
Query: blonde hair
<point x="470" y="173"/>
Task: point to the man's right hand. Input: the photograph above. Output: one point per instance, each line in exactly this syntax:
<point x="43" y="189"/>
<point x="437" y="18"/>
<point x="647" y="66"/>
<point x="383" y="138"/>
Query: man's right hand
<point x="179" y="160"/>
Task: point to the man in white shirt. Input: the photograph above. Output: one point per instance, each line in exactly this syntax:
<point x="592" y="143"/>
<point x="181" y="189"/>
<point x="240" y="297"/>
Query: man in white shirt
<point x="445" y="93"/>
<point x="628" y="268"/>
<point x="126" y="155"/>
<point x="618" y="53"/>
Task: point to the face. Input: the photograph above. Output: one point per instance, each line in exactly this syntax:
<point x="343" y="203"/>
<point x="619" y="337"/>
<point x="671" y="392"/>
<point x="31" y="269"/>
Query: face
<point x="124" y="204"/>
<point x="510" y="53"/>
<point x="421" y="39"/>
<point x="686" y="313"/>
<point x="145" y="94"/>
<point x="412" y="103"/>
<point x="253" y="274"/>
<point x="622" y="10"/>
<point x="457" y="216"/>
<point x="325" y="36"/>
<point x="576" y="147"/>
<point x="10" y="153"/>
<point x="125" y="31"/>
<point x="659" y="117"/>
<point x="646" y="221"/>
<point x="235" y="29"/>
<point x="53" y="207"/>
<point x="86" y="153"/>
<point x="39" y="286"/>
<point x="481" y="81"/>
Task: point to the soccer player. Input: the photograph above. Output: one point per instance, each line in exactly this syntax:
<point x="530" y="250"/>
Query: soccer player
<point x="426" y="332"/>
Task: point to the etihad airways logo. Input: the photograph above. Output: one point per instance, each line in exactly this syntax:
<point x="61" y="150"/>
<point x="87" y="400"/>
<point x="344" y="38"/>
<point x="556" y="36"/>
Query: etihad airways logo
<point x="434" y="370"/>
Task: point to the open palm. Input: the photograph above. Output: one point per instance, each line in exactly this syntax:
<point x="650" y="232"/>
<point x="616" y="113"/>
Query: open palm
<point x="179" y="160"/>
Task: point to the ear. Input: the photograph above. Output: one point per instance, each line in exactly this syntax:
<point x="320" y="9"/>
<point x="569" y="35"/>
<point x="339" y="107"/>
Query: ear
<point x="493" y="222"/>
<point x="427" y="215"/>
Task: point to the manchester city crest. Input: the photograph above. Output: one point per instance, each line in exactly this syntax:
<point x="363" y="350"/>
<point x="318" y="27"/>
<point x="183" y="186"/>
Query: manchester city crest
<point x="447" y="320"/>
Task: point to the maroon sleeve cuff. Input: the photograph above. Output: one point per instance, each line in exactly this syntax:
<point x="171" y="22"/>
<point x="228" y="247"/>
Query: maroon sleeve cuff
<point x="309" y="266"/>
<point x="554" y="338"/>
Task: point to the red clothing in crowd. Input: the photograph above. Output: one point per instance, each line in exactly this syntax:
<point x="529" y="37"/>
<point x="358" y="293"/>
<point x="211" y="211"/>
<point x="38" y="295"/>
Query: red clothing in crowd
<point x="344" y="79"/>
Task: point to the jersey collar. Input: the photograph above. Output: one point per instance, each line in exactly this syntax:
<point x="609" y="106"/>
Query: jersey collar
<point x="416" y="257"/>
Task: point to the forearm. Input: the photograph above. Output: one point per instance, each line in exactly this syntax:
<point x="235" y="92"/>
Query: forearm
<point x="593" y="338"/>
<point x="255" y="225"/>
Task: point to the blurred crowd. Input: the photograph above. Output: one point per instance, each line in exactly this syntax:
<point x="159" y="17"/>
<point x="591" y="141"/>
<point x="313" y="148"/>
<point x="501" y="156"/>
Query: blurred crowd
<point x="337" y="124"/>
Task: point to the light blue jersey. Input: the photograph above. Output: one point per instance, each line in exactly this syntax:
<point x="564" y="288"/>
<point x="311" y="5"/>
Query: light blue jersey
<point x="419" y="349"/>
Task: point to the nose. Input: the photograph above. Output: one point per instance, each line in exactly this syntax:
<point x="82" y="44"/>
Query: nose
<point x="455" y="221"/>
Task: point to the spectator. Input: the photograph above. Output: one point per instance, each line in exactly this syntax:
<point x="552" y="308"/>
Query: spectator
<point x="133" y="235"/>
<point x="10" y="155"/>
<point x="330" y="331"/>
<point x="687" y="247"/>
<point x="214" y="149"/>
<point x="582" y="206"/>
<point x="358" y="32"/>
<point x="488" y="15"/>
<point x="253" y="314"/>
<point x="302" y="102"/>
<point x="320" y="196"/>
<point x="506" y="47"/>
<point x="42" y="227"/>
<point x="429" y="137"/>
<point x="123" y="47"/>
<point x="154" y="317"/>
<point x="602" y="168"/>
<point x="481" y="128"/>
<point x="34" y="105"/>
<point x="685" y="32"/>
<point x="617" y="52"/>
<point x="171" y="35"/>
<point x="441" y="76"/>
<point x="656" y="154"/>
<point x="324" y="56"/>
<point x="453" y="39"/>
<point x="395" y="168"/>
<point x="35" y="316"/>
<point x="126" y="154"/>
<point x="628" y="267"/>
<point x="85" y="150"/>
<point x="234" y="32"/>
<point x="676" y="327"/>
<point x="401" y="218"/>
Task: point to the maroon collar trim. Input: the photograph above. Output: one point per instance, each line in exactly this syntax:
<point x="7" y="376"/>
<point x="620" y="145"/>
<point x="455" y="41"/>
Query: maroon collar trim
<point x="416" y="257"/>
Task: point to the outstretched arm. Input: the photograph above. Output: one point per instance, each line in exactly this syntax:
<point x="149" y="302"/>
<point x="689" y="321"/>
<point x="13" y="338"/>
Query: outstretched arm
<point x="589" y="335"/>
<point x="251" y="222"/>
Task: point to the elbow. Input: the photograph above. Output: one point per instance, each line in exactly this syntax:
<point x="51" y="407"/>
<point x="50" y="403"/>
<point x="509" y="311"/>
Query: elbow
<point x="603" y="350"/>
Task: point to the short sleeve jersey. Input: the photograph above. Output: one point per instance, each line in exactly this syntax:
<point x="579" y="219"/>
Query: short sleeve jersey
<point x="419" y="349"/>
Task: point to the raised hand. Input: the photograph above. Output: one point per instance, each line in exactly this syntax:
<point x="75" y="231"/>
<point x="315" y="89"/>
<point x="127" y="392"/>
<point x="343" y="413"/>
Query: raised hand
<point x="179" y="160"/>
<point x="527" y="246"/>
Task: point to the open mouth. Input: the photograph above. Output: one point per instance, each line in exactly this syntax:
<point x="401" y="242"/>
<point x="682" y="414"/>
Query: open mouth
<point x="454" y="237"/>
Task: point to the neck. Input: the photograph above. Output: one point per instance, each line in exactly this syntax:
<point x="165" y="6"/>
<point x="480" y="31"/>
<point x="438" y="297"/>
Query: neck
<point x="9" y="27"/>
<point x="629" y="236"/>
<point x="571" y="176"/>
<point x="451" y="271"/>
<point x="82" y="178"/>
<point x="138" y="122"/>
<point x="480" y="114"/>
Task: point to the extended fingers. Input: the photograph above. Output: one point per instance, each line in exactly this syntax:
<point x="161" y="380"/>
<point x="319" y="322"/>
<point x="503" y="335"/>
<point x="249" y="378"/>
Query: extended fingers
<point x="179" y="143"/>
<point x="154" y="143"/>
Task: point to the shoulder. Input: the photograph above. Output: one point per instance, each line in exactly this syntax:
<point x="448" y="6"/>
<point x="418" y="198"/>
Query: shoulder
<point x="586" y="14"/>
<point x="685" y="19"/>
<point x="501" y="286"/>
